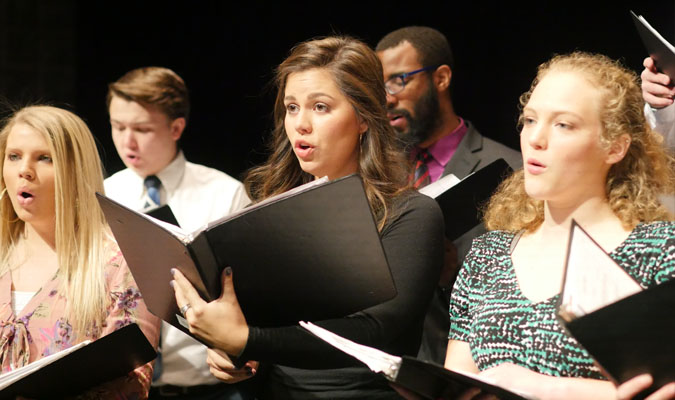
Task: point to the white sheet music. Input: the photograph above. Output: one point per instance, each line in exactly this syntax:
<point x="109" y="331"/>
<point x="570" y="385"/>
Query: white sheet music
<point x="8" y="378"/>
<point x="592" y="279"/>
<point x="435" y="189"/>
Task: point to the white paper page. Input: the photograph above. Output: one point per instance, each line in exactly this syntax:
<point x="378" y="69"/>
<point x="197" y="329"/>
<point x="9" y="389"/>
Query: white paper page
<point x="435" y="189"/>
<point x="593" y="280"/>
<point x="185" y="237"/>
<point x="288" y="193"/>
<point x="657" y="34"/>
<point x="8" y="378"/>
<point x="378" y="361"/>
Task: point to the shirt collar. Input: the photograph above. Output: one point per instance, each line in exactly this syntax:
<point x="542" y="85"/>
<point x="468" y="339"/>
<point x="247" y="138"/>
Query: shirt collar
<point x="445" y="147"/>
<point x="172" y="174"/>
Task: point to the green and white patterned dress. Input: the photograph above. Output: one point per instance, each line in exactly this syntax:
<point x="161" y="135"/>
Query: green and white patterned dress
<point x="488" y="310"/>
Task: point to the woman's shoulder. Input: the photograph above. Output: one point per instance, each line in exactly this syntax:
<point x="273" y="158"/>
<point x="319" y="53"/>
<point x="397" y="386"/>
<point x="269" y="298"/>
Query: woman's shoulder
<point x="496" y="238"/>
<point x="657" y="233"/>
<point x="412" y="204"/>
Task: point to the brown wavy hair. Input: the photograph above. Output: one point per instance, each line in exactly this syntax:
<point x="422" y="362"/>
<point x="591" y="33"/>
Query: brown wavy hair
<point x="633" y="184"/>
<point x="357" y="73"/>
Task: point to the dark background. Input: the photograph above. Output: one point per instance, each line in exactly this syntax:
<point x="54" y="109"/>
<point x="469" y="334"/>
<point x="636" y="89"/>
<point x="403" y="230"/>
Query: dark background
<point x="65" y="52"/>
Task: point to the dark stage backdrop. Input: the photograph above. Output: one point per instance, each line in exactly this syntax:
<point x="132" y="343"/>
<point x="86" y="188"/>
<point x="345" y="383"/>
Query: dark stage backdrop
<point x="65" y="52"/>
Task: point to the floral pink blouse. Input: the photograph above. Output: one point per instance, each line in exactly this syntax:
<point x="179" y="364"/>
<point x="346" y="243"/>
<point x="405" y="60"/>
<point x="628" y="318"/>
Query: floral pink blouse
<point x="42" y="328"/>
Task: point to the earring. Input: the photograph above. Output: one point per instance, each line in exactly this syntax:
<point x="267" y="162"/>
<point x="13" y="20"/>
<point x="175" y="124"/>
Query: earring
<point x="2" y="194"/>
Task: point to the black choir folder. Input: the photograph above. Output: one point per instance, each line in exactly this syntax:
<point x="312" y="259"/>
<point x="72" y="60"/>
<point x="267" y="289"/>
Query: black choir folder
<point x="81" y="367"/>
<point x="426" y="379"/>
<point x="627" y="330"/>
<point x="659" y="49"/>
<point x="461" y="200"/>
<point x="163" y="213"/>
<point x="311" y="253"/>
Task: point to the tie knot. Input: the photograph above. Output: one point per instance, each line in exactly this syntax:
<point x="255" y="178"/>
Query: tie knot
<point x="152" y="181"/>
<point x="153" y="185"/>
<point x="423" y="155"/>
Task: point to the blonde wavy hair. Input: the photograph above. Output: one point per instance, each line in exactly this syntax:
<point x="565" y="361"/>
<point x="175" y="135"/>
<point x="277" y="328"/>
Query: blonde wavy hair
<point x="633" y="185"/>
<point x="80" y="229"/>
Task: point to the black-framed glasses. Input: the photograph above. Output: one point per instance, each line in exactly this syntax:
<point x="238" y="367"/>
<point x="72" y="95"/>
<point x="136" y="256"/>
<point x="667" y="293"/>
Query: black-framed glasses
<point x="396" y="84"/>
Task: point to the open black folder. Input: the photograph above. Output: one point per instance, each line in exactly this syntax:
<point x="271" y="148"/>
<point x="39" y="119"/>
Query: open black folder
<point x="314" y="253"/>
<point x="461" y="200"/>
<point x="86" y="366"/>
<point x="425" y="379"/>
<point x="659" y="49"/>
<point x="627" y="330"/>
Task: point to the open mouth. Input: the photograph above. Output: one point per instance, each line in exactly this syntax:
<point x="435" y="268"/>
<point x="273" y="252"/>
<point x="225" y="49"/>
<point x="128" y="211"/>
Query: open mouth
<point x="26" y="195"/>
<point x="394" y="117"/>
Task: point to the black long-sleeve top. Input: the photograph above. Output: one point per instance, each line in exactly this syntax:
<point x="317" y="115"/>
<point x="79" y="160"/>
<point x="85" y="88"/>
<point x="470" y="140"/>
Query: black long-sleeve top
<point x="305" y="367"/>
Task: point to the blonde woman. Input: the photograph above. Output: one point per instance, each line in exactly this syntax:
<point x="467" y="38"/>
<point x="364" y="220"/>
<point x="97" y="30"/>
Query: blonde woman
<point x="62" y="276"/>
<point x="588" y="155"/>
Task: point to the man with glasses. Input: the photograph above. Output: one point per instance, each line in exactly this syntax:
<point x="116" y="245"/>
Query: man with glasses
<point x="417" y="63"/>
<point x="149" y="110"/>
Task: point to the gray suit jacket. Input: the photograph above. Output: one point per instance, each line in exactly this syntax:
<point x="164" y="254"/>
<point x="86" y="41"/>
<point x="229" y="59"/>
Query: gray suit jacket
<point x="473" y="153"/>
<point x="476" y="151"/>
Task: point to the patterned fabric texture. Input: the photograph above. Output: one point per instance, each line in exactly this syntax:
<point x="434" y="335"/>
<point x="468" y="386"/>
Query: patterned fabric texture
<point x="489" y="311"/>
<point x="43" y="326"/>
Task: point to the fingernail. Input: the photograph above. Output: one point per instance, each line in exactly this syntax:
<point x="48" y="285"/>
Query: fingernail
<point x="228" y="271"/>
<point x="173" y="271"/>
<point x="172" y="283"/>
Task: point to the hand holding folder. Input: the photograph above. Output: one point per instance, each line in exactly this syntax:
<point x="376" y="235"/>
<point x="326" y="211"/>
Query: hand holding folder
<point x="220" y="323"/>
<point x="659" y="49"/>
<point x="628" y="330"/>
<point x="294" y="256"/>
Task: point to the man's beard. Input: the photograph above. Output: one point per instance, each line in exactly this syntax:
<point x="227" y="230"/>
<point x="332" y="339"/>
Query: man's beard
<point x="426" y="120"/>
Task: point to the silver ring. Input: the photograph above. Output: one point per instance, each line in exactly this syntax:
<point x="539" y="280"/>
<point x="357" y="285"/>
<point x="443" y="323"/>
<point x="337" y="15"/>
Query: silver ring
<point x="184" y="309"/>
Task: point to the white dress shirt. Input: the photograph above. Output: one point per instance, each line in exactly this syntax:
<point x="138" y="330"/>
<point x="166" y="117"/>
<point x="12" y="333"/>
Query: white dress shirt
<point x="663" y="121"/>
<point x="196" y="195"/>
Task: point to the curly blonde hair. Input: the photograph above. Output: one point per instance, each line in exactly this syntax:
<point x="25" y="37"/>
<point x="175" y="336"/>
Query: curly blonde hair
<point x="633" y="185"/>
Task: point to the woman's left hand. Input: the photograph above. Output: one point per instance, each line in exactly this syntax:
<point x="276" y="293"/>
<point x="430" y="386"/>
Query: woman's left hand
<point x="220" y="323"/>
<point x="222" y="367"/>
<point x="634" y="386"/>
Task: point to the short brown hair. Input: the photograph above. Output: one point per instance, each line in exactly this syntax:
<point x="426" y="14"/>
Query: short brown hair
<point x="154" y="86"/>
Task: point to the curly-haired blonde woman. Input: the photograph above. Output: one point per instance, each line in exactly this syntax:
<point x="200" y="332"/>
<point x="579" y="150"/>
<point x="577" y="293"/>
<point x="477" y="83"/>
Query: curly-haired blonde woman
<point x="588" y="155"/>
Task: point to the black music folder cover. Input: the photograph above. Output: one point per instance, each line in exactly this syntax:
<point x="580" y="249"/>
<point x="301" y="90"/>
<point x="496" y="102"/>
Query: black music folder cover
<point x="81" y="367"/>
<point x="163" y="213"/>
<point x="659" y="49"/>
<point x="461" y="200"/>
<point x="626" y="329"/>
<point x="311" y="253"/>
<point x="426" y="379"/>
